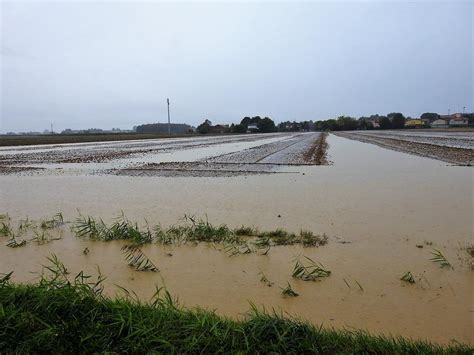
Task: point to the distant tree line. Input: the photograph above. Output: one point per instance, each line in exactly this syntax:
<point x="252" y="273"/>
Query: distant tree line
<point x="175" y="128"/>
<point x="393" y="120"/>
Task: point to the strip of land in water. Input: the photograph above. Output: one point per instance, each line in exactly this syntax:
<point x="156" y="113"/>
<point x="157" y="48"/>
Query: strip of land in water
<point x="448" y="148"/>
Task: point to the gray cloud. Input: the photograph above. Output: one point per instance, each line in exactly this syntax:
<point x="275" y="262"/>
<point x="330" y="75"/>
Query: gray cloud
<point x="104" y="64"/>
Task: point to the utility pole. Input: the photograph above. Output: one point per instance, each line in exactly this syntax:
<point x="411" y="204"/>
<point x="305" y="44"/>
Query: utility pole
<point x="463" y="110"/>
<point x="52" y="128"/>
<point x="449" y="111"/>
<point x="169" y="122"/>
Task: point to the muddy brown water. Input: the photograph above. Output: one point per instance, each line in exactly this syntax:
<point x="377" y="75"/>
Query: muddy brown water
<point x="375" y="205"/>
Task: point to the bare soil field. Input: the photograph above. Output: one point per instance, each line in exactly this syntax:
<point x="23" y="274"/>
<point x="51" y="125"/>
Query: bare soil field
<point x="456" y="147"/>
<point x="369" y="238"/>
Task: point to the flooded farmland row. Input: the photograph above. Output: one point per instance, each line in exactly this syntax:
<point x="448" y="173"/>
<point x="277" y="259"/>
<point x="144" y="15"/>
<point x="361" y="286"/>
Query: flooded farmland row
<point x="456" y="147"/>
<point x="384" y="212"/>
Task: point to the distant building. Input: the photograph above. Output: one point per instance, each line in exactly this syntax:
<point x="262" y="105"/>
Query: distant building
<point x="414" y="123"/>
<point x="219" y="129"/>
<point x="251" y="128"/>
<point x="439" y="123"/>
<point x="457" y="120"/>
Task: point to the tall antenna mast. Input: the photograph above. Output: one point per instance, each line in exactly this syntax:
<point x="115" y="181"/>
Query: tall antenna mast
<point x="169" y="122"/>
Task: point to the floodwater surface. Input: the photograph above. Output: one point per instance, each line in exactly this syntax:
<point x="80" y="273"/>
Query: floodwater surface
<point x="376" y="206"/>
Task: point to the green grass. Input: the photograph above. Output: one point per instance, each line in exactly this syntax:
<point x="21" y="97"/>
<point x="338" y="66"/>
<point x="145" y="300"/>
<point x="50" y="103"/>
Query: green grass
<point x="309" y="270"/>
<point x="440" y="259"/>
<point x="194" y="230"/>
<point x="408" y="277"/>
<point x="61" y="314"/>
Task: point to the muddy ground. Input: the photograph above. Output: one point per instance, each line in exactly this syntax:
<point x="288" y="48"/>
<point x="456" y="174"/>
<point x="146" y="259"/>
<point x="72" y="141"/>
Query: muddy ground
<point x="452" y="147"/>
<point x="383" y="211"/>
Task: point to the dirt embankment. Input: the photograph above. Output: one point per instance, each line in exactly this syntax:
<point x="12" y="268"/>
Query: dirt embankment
<point x="457" y="156"/>
<point x="317" y="154"/>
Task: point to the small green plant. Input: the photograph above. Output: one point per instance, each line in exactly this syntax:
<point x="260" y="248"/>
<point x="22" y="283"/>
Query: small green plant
<point x="54" y="222"/>
<point x="86" y="251"/>
<point x="265" y="280"/>
<point x="309" y="239"/>
<point x="312" y="272"/>
<point x="440" y="259"/>
<point x="263" y="244"/>
<point x="137" y="259"/>
<point x="408" y="277"/>
<point x="5" y="230"/>
<point x="13" y="243"/>
<point x="288" y="291"/>
<point x="245" y="231"/>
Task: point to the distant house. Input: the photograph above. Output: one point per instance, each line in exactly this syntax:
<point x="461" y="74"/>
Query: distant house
<point x="457" y="120"/>
<point x="439" y="123"/>
<point x="219" y="129"/>
<point x="251" y="128"/>
<point x="414" y="123"/>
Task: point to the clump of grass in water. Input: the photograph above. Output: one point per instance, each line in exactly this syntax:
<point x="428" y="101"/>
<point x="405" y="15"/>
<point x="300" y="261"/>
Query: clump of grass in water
<point x="137" y="259"/>
<point x="263" y="244"/>
<point x="288" y="291"/>
<point x="309" y="239"/>
<point x="439" y="258"/>
<point x="408" y="277"/>
<point x="13" y="243"/>
<point x="265" y="280"/>
<point x="6" y="230"/>
<point x="191" y="230"/>
<point x="312" y="272"/>
<point x="56" y="221"/>
<point x="77" y="310"/>
<point x="121" y="229"/>
<point x="279" y="237"/>
<point x="245" y="231"/>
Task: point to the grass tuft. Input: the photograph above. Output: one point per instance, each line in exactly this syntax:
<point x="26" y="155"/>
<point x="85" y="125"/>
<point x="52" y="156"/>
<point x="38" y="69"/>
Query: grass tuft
<point x="408" y="277"/>
<point x="440" y="259"/>
<point x="311" y="271"/>
<point x="288" y="291"/>
<point x="137" y="259"/>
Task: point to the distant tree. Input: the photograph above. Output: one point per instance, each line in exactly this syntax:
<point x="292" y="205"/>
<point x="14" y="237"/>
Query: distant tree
<point x="245" y="121"/>
<point x="238" y="128"/>
<point x="346" y="123"/>
<point x="384" y="122"/>
<point x="204" y="127"/>
<point x="430" y="116"/>
<point x="362" y="122"/>
<point x="266" y="125"/>
<point x="397" y="120"/>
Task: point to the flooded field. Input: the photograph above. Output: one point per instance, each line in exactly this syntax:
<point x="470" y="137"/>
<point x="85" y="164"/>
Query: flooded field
<point x="384" y="212"/>
<point x="455" y="147"/>
<point x="227" y="155"/>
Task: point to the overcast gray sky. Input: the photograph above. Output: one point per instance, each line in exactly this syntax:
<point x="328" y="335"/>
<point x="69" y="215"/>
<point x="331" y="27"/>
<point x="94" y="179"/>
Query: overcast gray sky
<point x="113" y="64"/>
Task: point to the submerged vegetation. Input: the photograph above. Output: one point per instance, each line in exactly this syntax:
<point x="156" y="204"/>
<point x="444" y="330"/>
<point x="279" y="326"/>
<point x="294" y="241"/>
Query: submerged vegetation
<point x="440" y="259"/>
<point x="309" y="271"/>
<point x="194" y="230"/>
<point x="137" y="259"/>
<point x="58" y="315"/>
<point x="408" y="277"/>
